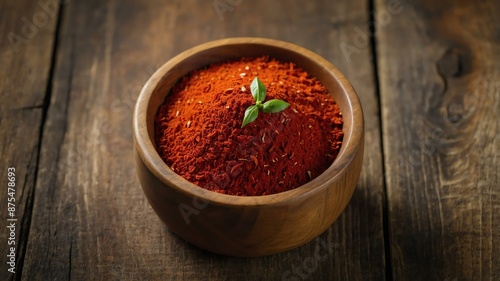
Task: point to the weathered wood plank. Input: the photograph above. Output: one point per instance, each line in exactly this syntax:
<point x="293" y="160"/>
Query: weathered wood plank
<point x="91" y="220"/>
<point x="27" y="30"/>
<point x="438" y="69"/>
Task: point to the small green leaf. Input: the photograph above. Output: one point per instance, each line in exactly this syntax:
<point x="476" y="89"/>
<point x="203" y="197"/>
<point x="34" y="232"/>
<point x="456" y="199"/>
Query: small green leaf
<point x="251" y="114"/>
<point x="273" y="106"/>
<point x="258" y="90"/>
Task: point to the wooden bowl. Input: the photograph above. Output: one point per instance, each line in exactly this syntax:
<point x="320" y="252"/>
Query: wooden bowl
<point x="256" y="225"/>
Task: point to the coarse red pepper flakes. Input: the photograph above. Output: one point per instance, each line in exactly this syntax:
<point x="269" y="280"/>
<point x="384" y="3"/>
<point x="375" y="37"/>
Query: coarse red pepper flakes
<point x="199" y="135"/>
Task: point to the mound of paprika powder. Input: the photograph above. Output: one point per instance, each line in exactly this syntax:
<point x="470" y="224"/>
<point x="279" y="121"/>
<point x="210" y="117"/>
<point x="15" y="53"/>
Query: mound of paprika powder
<point x="199" y="136"/>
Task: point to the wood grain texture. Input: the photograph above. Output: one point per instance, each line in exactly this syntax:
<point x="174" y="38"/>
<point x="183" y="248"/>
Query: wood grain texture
<point x="90" y="218"/>
<point x="26" y="48"/>
<point x="77" y="189"/>
<point x="439" y="82"/>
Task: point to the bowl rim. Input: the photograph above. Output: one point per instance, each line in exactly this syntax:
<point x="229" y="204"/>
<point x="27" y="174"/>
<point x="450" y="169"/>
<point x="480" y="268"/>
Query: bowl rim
<point x="351" y="143"/>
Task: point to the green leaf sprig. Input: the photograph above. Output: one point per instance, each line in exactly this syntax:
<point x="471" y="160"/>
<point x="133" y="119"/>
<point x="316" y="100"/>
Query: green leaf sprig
<point x="259" y="95"/>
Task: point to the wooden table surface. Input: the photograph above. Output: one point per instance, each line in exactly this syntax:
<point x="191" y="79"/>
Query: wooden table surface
<point x="427" y="204"/>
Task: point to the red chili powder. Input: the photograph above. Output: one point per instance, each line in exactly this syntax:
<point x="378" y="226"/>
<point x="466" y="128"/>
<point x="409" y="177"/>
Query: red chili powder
<point x="199" y="134"/>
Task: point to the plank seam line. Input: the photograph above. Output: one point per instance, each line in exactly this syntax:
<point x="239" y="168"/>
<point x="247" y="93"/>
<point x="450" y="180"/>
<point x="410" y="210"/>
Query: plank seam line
<point x="385" y="210"/>
<point x="26" y="220"/>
